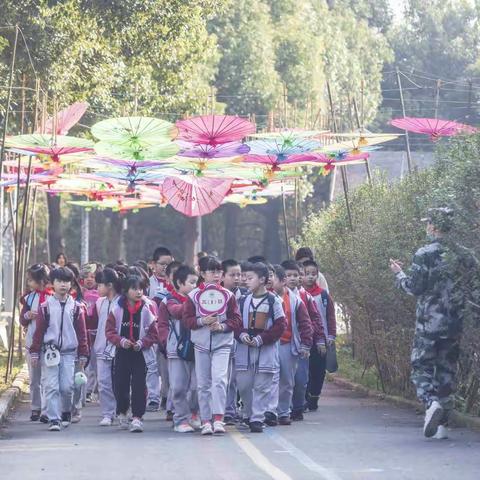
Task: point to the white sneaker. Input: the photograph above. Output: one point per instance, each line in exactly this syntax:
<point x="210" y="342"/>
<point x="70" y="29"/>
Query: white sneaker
<point x="136" y="425"/>
<point x="106" y="422"/>
<point x="442" y="433"/>
<point x="196" y="424"/>
<point x="433" y="416"/>
<point x="207" y="429"/>
<point x="123" y="422"/>
<point x="218" y="427"/>
<point x="183" y="428"/>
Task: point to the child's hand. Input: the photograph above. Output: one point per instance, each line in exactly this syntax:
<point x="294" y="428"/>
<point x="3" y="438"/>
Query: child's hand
<point x="126" y="343"/>
<point x="322" y="349"/>
<point x="209" y="320"/>
<point x="216" y="327"/>
<point x="82" y="362"/>
<point x="34" y="362"/>
<point x="245" y="339"/>
<point x="137" y="346"/>
<point x="396" y="266"/>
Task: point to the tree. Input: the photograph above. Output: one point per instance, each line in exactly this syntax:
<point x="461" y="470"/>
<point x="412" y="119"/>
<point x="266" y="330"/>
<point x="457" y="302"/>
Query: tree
<point x="246" y="80"/>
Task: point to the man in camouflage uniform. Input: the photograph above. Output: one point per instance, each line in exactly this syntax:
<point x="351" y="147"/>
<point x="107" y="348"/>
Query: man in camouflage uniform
<point x="438" y="326"/>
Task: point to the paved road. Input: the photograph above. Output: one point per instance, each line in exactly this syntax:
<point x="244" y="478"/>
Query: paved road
<point x="349" y="438"/>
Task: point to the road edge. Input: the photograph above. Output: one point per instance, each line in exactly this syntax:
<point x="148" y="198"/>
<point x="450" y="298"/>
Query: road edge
<point x="457" y="419"/>
<point x="9" y="397"/>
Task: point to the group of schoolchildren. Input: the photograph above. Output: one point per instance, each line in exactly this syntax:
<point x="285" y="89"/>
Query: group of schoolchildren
<point x="136" y="338"/>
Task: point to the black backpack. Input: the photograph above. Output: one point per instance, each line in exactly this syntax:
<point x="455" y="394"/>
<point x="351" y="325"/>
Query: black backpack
<point x="185" y="346"/>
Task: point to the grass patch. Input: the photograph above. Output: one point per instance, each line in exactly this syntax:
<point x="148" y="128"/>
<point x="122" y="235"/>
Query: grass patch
<point x="17" y="366"/>
<point x="352" y="369"/>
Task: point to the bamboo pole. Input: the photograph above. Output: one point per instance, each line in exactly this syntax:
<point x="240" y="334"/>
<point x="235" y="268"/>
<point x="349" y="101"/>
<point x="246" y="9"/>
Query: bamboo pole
<point x="8" y="101"/>
<point x="407" y="140"/>
<point x="342" y="171"/>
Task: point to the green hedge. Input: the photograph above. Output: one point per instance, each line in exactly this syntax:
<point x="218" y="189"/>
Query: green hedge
<point x="386" y="224"/>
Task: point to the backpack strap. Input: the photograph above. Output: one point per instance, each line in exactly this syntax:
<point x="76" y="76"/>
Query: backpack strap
<point x="271" y="304"/>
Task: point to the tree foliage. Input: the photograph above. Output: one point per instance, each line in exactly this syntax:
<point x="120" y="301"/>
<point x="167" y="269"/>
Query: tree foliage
<point x="387" y="225"/>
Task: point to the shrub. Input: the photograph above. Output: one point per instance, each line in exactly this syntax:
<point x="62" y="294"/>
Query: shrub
<point x="386" y="224"/>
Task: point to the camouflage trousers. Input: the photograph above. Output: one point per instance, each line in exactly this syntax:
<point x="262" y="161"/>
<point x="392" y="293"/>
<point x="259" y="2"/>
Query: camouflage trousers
<point x="434" y="366"/>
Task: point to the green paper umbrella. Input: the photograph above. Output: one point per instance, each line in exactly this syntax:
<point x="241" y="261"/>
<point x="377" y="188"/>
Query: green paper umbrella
<point x="158" y="151"/>
<point x="134" y="132"/>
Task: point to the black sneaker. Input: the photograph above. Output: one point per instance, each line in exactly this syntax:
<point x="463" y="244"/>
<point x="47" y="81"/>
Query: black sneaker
<point x="284" y="421"/>
<point x="271" y="419"/>
<point x="35" y="416"/>
<point x="88" y="398"/>
<point x="66" y="419"/>
<point x="153" y="407"/>
<point x="312" y="403"/>
<point x="229" y="420"/>
<point x="297" y="416"/>
<point x="43" y="419"/>
<point x="163" y="403"/>
<point x="169" y="417"/>
<point x="256" y="427"/>
<point x="245" y="423"/>
<point x="54" y="426"/>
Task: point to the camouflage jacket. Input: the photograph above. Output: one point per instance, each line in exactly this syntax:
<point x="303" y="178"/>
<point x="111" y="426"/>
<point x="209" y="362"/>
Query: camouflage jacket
<point x="430" y="281"/>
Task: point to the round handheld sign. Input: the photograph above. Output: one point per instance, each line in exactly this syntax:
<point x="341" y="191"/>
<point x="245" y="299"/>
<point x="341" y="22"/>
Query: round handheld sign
<point x="211" y="301"/>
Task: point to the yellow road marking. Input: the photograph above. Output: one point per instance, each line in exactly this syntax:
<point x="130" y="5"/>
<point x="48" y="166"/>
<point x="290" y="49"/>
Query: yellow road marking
<point x="258" y="458"/>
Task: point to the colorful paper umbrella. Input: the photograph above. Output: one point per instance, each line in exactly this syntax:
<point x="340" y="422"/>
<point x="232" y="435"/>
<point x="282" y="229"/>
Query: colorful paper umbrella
<point x="65" y="119"/>
<point x="194" y="196"/>
<point x="276" y="163"/>
<point x="290" y="133"/>
<point x="47" y="176"/>
<point x="214" y="129"/>
<point x="282" y="148"/>
<point x="243" y="201"/>
<point x="155" y="152"/>
<point x="134" y="132"/>
<point x="355" y="142"/>
<point x="432" y="126"/>
<point x="224" y="150"/>
<point x="53" y="147"/>
<point x="131" y="166"/>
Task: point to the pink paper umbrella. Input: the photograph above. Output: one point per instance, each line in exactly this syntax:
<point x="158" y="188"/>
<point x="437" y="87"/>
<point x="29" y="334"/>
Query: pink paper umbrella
<point x="432" y="126"/>
<point x="224" y="150"/>
<point x="65" y="119"/>
<point x="214" y="129"/>
<point x="195" y="196"/>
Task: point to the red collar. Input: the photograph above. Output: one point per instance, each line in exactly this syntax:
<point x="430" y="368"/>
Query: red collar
<point x="315" y="290"/>
<point x="169" y="287"/>
<point x="135" y="308"/>
<point x="178" y="296"/>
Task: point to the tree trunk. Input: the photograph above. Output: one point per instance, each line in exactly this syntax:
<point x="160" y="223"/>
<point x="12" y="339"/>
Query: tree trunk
<point x="272" y="242"/>
<point x="55" y="241"/>
<point x="231" y="221"/>
<point x="190" y="239"/>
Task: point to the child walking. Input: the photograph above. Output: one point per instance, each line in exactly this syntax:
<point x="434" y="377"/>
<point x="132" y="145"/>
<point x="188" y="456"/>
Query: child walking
<point x="213" y="339"/>
<point x="295" y="342"/>
<point x="131" y="330"/>
<point x="157" y="291"/>
<point x="294" y="278"/>
<point x="231" y="279"/>
<point x="90" y="296"/>
<point x="37" y="279"/>
<point x="175" y="340"/>
<point x="109" y="289"/>
<point x="326" y="306"/>
<point x="257" y="351"/>
<point x="61" y="337"/>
